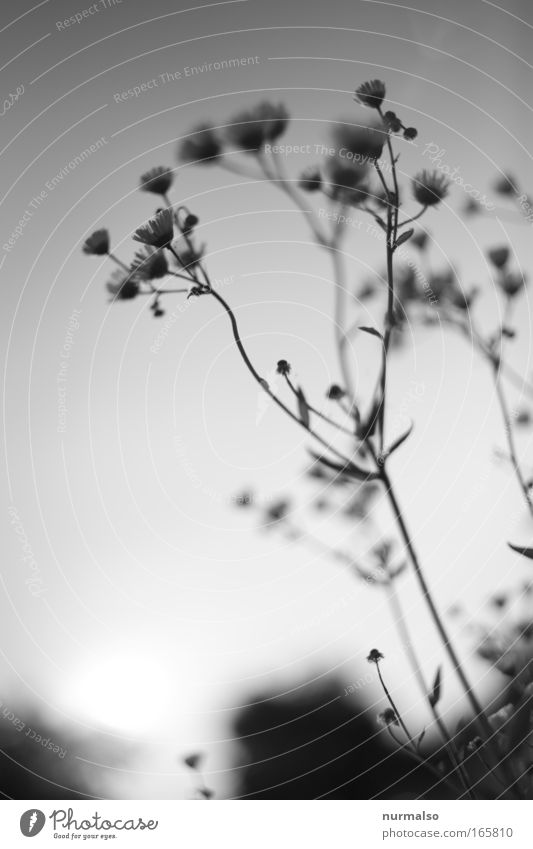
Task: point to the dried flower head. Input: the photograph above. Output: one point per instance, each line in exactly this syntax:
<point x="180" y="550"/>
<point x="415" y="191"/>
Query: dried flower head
<point x="122" y="286"/>
<point x="375" y="656"/>
<point x="203" y="145"/>
<point x="193" y="761"/>
<point x="158" y="180"/>
<point x="429" y="187"/>
<point x="311" y="179"/>
<point x="277" y="512"/>
<point x="247" y="131"/>
<point x="420" y="239"/>
<point x="371" y="93"/>
<point x="158" y="231"/>
<point x="347" y="182"/>
<point x="97" y="243"/>
<point x="506" y="185"/>
<point x="362" y="142"/>
<point x="149" y="264"/>
<point x="283" y="367"/>
<point x="392" y="121"/>
<point x="499" y="256"/>
<point x="335" y="393"/>
<point x="275" y="118"/>
<point x="410" y="133"/>
<point x="512" y="283"/>
<point x="388" y="717"/>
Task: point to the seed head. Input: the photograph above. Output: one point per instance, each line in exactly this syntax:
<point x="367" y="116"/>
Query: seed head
<point x="149" y="264"/>
<point x="158" y="180"/>
<point x="388" y="717"/>
<point x="283" y="367"/>
<point x="429" y="187"/>
<point x="158" y="231"/>
<point x="371" y="93"/>
<point x="310" y="179"/>
<point x="335" y="393"/>
<point x="375" y="656"/>
<point x="499" y="256"/>
<point x="203" y="146"/>
<point x="122" y="286"/>
<point x="97" y="243"/>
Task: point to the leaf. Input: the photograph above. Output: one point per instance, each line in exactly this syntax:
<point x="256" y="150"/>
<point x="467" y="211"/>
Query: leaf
<point x="372" y="331"/>
<point x="525" y="552"/>
<point x="403" y="238"/>
<point x="435" y="695"/>
<point x="303" y="409"/>
<point x="400" y="440"/>
<point x="348" y="469"/>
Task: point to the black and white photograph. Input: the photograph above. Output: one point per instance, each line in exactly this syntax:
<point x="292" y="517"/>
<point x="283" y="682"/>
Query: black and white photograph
<point x="267" y="420"/>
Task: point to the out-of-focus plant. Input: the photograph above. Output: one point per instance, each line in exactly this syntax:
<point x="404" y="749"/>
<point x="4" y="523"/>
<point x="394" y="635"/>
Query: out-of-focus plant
<point x="366" y="178"/>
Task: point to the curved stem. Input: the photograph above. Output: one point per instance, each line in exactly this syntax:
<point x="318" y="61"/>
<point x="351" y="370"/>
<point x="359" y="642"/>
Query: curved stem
<point x="395" y="709"/>
<point x="264" y="385"/>
<point x="118" y="261"/>
<point x="413" y="218"/>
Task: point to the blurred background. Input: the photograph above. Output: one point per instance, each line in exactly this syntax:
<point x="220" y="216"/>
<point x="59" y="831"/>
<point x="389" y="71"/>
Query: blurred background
<point x="143" y="616"/>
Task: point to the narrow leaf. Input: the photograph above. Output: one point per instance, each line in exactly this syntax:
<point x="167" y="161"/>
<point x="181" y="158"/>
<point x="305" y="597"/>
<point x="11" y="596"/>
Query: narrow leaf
<point x="372" y="331"/>
<point x="303" y="409"/>
<point x="400" y="440"/>
<point x="525" y="552"/>
<point x="435" y="695"/>
<point x="404" y="237"/>
<point x="349" y="469"/>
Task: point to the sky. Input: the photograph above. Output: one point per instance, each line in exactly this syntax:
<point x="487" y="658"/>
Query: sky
<point x="135" y="597"/>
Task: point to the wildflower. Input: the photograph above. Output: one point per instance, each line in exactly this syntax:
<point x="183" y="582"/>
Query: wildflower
<point x="512" y="283"/>
<point x="275" y="119"/>
<point x="371" y="93"/>
<point x="283" y="367"/>
<point x="347" y="182"/>
<point x="310" y="179"/>
<point x="202" y="145"/>
<point x="335" y="393"/>
<point x="388" y="717"/>
<point x="97" y="243"/>
<point x="149" y="264"/>
<point x="122" y="286"/>
<point x="193" y="761"/>
<point x="429" y="187"/>
<point x="158" y="180"/>
<point x="375" y="656"/>
<point x="420" y="239"/>
<point x="277" y="512"/>
<point x="247" y="131"/>
<point x="499" y="256"/>
<point x="506" y="185"/>
<point x="158" y="231"/>
<point x="392" y="121"/>
<point x="363" y="142"/>
<point x="190" y="223"/>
